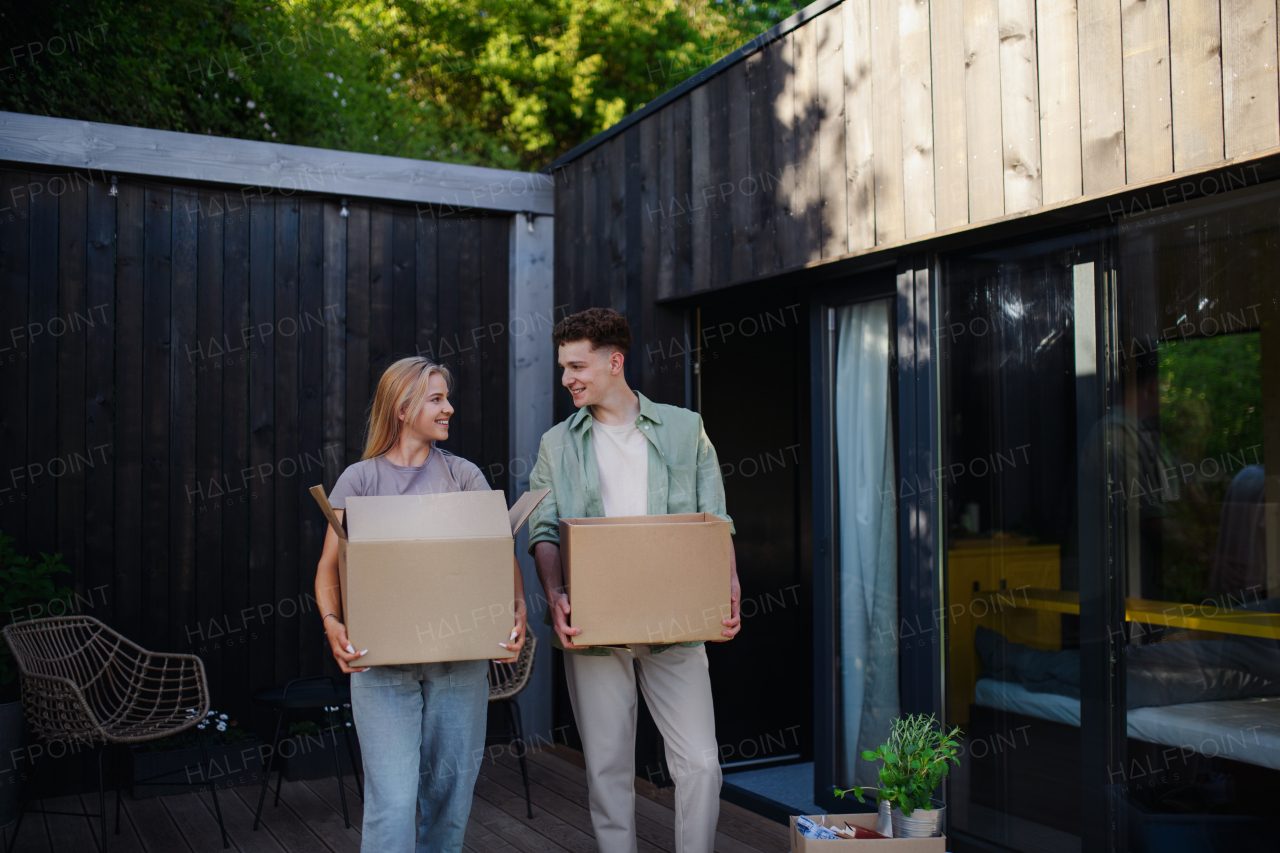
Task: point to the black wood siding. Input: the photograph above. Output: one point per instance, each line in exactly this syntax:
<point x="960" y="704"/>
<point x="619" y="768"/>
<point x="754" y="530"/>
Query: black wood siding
<point x="179" y="365"/>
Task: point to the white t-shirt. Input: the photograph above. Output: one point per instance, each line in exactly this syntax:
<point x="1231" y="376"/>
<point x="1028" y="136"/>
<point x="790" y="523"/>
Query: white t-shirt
<point x="622" y="459"/>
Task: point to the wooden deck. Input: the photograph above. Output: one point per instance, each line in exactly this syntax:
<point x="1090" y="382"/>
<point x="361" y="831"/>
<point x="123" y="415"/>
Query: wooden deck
<point x="309" y="818"/>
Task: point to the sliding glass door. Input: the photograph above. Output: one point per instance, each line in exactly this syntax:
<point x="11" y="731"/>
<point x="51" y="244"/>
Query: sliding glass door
<point x="1017" y="346"/>
<point x="1111" y="535"/>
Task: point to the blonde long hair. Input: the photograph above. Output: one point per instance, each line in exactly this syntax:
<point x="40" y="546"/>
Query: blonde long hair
<point x="402" y="388"/>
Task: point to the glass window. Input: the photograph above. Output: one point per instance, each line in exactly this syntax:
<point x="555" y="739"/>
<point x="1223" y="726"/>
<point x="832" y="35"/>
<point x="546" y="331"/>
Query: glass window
<point x="1008" y="487"/>
<point x="1109" y="404"/>
<point x="1196" y="416"/>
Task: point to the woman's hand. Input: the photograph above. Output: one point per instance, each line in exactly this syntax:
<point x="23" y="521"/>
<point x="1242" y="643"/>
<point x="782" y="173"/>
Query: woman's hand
<point x="516" y="641"/>
<point x="343" y="652"/>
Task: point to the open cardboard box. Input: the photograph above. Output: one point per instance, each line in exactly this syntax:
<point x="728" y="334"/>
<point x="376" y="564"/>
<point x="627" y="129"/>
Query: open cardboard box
<point x="800" y="844"/>
<point x="646" y="578"/>
<point x="428" y="578"/>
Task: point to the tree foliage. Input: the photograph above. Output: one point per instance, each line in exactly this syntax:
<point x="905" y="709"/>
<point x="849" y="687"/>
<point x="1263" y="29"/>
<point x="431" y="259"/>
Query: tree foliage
<point x="506" y="83"/>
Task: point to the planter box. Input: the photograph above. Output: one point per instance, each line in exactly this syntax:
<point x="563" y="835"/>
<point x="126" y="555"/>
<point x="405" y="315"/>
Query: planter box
<point x="311" y="756"/>
<point x="229" y="766"/>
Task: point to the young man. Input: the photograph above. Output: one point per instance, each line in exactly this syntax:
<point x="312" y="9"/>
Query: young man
<point x="621" y="454"/>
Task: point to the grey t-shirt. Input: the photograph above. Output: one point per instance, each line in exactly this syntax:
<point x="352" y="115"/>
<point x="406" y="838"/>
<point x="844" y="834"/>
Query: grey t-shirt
<point x="442" y="472"/>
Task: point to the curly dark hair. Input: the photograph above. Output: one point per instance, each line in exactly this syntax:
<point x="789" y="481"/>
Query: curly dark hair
<point x="603" y="327"/>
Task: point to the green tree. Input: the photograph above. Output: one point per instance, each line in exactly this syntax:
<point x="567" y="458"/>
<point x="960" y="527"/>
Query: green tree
<point x="490" y="82"/>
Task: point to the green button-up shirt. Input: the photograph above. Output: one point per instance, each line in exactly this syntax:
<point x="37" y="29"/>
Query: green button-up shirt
<point x="684" y="476"/>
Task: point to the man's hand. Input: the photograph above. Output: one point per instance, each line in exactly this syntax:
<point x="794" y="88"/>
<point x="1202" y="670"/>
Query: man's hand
<point x="343" y="652"/>
<point x="734" y="623"/>
<point x="560" y="619"/>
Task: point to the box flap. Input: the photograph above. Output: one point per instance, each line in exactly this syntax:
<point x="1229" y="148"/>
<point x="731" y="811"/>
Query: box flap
<point x="449" y="515"/>
<point x="317" y="492"/>
<point x="523" y="508"/>
<point x="673" y="518"/>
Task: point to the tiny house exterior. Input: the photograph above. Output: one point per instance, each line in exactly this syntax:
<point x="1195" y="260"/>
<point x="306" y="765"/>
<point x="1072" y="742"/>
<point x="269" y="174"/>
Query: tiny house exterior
<point x="978" y="303"/>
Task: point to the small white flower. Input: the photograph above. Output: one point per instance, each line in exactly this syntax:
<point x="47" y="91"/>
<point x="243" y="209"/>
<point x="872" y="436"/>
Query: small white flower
<point x="262" y="115"/>
<point x="339" y="79"/>
<point x="249" y="104"/>
<point x="209" y="714"/>
<point x="395" y="75"/>
<point x="388" y="90"/>
<point x="216" y="96"/>
<point x="375" y="137"/>
<point x="344" y="102"/>
<point x="222" y="727"/>
<point x="223" y="717"/>
<point x="267" y="126"/>
<point x="335" y="93"/>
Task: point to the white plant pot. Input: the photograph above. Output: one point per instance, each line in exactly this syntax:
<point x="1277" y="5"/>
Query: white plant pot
<point x="923" y="823"/>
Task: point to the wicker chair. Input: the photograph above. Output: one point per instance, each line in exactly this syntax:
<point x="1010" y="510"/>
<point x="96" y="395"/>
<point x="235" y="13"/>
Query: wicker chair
<point x="505" y="681"/>
<point x="83" y="683"/>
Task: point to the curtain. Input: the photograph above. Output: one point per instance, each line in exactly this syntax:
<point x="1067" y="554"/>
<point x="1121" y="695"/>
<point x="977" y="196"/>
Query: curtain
<point x="867" y="517"/>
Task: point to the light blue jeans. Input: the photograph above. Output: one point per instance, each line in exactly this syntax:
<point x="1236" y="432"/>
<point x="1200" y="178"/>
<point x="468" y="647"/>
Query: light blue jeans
<point x="422" y="730"/>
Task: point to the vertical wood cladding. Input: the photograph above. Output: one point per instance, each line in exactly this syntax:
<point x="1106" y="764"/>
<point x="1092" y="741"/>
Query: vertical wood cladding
<point x="881" y="121"/>
<point x="179" y="365"/>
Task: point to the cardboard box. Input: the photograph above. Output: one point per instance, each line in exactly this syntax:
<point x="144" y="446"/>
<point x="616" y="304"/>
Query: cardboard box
<point x="428" y="577"/>
<point x="646" y="578"/>
<point x="800" y="844"/>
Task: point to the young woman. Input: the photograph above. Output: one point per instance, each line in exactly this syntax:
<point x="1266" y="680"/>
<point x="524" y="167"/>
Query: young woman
<point x="421" y="725"/>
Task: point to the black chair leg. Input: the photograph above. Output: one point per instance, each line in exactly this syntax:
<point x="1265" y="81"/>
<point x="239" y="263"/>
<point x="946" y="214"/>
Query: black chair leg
<point x="337" y="769"/>
<point x="266" y="774"/>
<point x="355" y="766"/>
<point x="102" y="799"/>
<point x="513" y="710"/>
<point x="118" y="766"/>
<point x="213" y="790"/>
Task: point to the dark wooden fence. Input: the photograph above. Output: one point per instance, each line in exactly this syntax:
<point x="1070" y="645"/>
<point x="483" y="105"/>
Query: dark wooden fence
<point x="180" y="364"/>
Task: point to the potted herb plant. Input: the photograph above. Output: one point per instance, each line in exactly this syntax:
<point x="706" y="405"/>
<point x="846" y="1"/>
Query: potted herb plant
<point x="916" y="758"/>
<point x="23" y="582"/>
<point x="172" y="765"/>
<point x="308" y="751"/>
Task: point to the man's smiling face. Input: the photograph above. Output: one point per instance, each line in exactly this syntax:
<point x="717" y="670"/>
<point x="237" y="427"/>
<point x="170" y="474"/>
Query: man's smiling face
<point x="588" y="373"/>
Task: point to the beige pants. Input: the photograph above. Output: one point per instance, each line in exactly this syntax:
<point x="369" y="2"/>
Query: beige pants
<point x="677" y="690"/>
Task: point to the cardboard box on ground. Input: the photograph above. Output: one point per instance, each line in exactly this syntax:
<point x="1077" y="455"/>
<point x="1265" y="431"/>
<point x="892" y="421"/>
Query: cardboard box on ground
<point x="428" y="578"/>
<point x="646" y="578"/>
<point x="800" y="844"/>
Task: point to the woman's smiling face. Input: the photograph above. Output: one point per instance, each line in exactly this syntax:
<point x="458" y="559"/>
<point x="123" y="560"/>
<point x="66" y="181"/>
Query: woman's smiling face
<point x="432" y="423"/>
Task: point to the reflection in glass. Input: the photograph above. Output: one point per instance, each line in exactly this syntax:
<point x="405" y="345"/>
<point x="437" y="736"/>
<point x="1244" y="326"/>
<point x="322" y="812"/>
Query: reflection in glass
<point x="1008" y="487"/>
<point x="1196" y="421"/>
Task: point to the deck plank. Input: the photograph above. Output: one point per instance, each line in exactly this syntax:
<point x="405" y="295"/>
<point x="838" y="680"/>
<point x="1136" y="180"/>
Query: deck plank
<point x="309" y="818"/>
<point x="323" y="822"/>
<point x="571" y="806"/>
<point x="283" y="824"/>
<point x="195" y="823"/>
<point x="655" y="827"/>
<point x="738" y="831"/>
<point x="327" y="792"/>
<point x="238" y="818"/>
<point x="127" y="841"/>
<point x="567" y="799"/>
<point x="33" y="836"/>
<point x="156" y="829"/>
<point x="514" y="831"/>
<point x="71" y="833"/>
<point x="544" y="821"/>
<point x="481" y="840"/>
